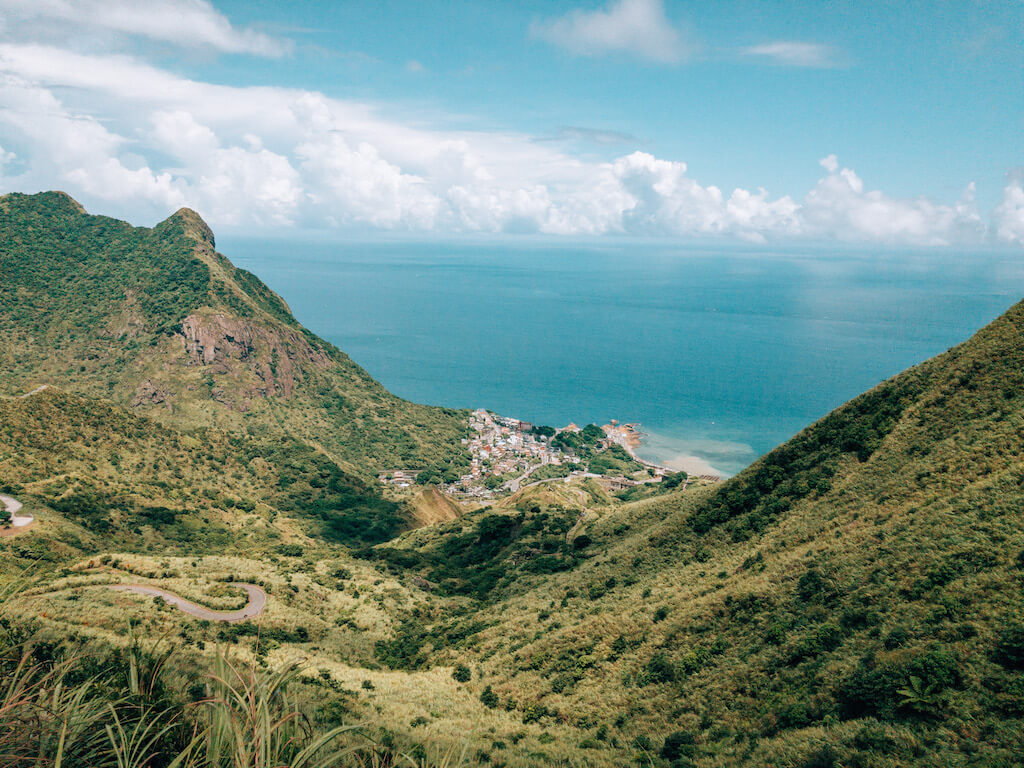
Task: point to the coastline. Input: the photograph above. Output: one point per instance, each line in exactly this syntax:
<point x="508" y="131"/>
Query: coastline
<point x="630" y="437"/>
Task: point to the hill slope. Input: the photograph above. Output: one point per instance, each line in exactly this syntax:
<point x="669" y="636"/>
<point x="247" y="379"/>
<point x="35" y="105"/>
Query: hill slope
<point x="104" y="478"/>
<point x="853" y="598"/>
<point x="158" y="321"/>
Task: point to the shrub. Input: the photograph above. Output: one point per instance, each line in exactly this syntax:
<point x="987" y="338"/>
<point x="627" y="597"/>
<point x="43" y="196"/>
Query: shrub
<point x="581" y="542"/>
<point x="678" y="744"/>
<point x="405" y="651"/>
<point x="812" y="586"/>
<point x="561" y="683"/>
<point x="674" y="480"/>
<point x="462" y="674"/>
<point x="900" y="686"/>
<point x="897" y="637"/>
<point x="658" y="670"/>
<point x="1009" y="649"/>
<point x="643" y="743"/>
<point x="533" y="712"/>
<point x="489" y="698"/>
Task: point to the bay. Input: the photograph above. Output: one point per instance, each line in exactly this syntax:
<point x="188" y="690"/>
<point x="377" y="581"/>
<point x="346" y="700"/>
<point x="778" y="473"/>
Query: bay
<point x="719" y="353"/>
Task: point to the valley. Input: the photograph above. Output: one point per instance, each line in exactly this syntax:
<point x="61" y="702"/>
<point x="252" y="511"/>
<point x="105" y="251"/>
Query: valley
<point x="210" y="483"/>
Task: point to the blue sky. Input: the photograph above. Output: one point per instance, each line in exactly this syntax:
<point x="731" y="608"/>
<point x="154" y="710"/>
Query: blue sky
<point x="922" y="98"/>
<point x="564" y="118"/>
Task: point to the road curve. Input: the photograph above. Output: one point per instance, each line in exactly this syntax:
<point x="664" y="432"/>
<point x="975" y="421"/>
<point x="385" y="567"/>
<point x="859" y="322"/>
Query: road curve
<point x="14" y="507"/>
<point x="257" y="602"/>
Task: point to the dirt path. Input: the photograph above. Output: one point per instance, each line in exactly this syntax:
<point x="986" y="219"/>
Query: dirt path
<point x="257" y="602"/>
<point x="18" y="522"/>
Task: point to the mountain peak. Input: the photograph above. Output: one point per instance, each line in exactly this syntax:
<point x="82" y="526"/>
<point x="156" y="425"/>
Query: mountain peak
<point x="68" y="200"/>
<point x="192" y="224"/>
<point x="55" y="199"/>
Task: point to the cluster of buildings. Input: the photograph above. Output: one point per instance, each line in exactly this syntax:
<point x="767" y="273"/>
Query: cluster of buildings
<point x="504" y="452"/>
<point x="502" y="447"/>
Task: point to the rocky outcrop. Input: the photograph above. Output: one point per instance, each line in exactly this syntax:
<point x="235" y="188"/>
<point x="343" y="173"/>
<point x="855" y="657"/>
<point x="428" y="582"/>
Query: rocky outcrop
<point x="247" y="358"/>
<point x="149" y="393"/>
<point x="129" y="322"/>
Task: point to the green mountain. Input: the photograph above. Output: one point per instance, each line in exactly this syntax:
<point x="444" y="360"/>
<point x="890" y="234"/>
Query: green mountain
<point x="157" y="321"/>
<point x="118" y="480"/>
<point x="852" y="599"/>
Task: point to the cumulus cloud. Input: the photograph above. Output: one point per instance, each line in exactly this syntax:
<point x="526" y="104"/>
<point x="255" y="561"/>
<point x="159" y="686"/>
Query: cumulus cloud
<point x="6" y="158"/>
<point x="138" y="141"/>
<point x="794" y="54"/>
<point x="638" y="27"/>
<point x="76" y="148"/>
<point x="1009" y="214"/>
<point x="186" y="23"/>
<point x="840" y="207"/>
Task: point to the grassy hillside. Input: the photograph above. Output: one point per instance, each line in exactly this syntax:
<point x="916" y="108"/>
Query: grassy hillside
<point x="853" y="599"/>
<point x="99" y="477"/>
<point x="156" y="320"/>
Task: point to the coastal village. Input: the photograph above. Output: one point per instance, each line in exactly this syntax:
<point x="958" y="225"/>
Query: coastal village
<point x="508" y="454"/>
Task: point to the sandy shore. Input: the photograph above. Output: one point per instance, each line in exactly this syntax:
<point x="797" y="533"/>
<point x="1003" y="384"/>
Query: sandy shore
<point x="630" y="438"/>
<point x="691" y="465"/>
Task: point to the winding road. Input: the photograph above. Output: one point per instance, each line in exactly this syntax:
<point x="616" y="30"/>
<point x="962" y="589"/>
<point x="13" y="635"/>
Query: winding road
<point x="257" y="602"/>
<point x="14" y="507"/>
<point x="257" y="597"/>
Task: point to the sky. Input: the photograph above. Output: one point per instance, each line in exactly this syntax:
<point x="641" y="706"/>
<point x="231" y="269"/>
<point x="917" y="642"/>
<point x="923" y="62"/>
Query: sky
<point x="769" y="122"/>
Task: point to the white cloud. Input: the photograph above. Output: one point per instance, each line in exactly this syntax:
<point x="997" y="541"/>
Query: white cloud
<point x="186" y="23"/>
<point x="76" y="149"/>
<point x="414" y="67"/>
<point x="137" y="141"/>
<point x="663" y="200"/>
<point x="354" y="184"/>
<point x="6" y="158"/>
<point x="794" y="54"/>
<point x="839" y="207"/>
<point x="1009" y="214"/>
<point x="639" y="27"/>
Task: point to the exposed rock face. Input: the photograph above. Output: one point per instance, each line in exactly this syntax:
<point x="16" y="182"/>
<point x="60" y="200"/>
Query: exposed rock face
<point x="129" y="323"/>
<point x="262" y="360"/>
<point x="149" y="393"/>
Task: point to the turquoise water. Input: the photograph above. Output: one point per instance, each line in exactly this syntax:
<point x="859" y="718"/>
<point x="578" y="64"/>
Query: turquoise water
<point x="719" y="354"/>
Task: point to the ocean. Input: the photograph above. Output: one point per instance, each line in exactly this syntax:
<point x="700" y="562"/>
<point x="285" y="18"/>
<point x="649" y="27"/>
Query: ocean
<point x="719" y="353"/>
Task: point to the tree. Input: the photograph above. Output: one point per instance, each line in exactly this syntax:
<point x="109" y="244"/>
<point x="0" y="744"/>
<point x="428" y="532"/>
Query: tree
<point x="674" y="480"/>
<point x="489" y="698"/>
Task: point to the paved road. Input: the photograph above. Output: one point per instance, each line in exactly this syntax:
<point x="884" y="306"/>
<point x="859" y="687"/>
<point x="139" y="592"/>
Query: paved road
<point x="257" y="602"/>
<point x="14" y="507"/>
<point x="516" y="483"/>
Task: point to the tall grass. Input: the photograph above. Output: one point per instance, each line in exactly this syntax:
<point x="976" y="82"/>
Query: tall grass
<point x="71" y="709"/>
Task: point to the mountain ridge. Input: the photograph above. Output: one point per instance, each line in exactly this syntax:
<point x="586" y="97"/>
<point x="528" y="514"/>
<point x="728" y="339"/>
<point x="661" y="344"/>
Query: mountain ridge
<point x="157" y="319"/>
<point x="850" y="600"/>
